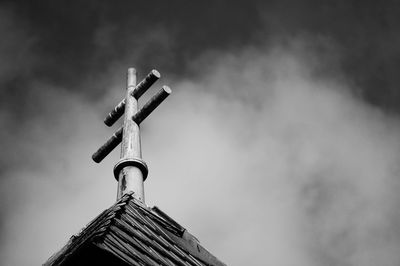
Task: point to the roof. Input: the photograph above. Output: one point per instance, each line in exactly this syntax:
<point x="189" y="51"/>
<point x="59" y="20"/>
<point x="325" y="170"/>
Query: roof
<point x="130" y="233"/>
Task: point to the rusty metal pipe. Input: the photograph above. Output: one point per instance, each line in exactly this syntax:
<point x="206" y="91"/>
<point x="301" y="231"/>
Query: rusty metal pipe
<point x="145" y="84"/>
<point x="108" y="147"/>
<point x="141" y="88"/>
<point x="152" y="104"/>
<point x="130" y="176"/>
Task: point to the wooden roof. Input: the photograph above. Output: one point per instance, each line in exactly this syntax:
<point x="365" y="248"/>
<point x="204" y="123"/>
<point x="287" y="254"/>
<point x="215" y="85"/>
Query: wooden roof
<point x="130" y="233"/>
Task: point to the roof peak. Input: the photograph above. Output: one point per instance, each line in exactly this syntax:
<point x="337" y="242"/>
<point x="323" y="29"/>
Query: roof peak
<point x="137" y="235"/>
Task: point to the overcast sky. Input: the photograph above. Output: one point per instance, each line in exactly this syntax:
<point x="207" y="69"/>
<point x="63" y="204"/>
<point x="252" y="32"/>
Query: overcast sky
<point x="280" y="144"/>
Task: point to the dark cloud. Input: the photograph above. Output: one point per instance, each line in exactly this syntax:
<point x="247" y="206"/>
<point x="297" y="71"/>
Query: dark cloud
<point x="365" y="34"/>
<point x="271" y="103"/>
<point x="75" y="40"/>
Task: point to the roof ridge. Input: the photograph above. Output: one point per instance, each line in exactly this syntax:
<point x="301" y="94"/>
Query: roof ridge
<point x="94" y="230"/>
<point x="129" y="229"/>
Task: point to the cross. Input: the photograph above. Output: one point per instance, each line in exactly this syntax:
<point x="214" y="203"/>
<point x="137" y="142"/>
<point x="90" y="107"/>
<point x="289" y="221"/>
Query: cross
<point x="131" y="171"/>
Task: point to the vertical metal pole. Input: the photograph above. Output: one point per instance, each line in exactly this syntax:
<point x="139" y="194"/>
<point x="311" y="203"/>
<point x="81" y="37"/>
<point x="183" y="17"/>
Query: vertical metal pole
<point x="130" y="176"/>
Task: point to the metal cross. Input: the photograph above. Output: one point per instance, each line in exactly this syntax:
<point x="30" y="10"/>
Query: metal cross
<point x="131" y="171"/>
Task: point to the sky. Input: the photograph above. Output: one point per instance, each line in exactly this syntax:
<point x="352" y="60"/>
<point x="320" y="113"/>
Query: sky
<point x="280" y="144"/>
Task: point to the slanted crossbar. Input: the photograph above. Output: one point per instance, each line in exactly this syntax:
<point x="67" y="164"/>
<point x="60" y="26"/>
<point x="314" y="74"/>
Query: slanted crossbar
<point x="144" y="112"/>
<point x="141" y="88"/>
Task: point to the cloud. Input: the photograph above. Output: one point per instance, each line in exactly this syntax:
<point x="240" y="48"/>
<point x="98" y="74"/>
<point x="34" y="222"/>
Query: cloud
<point x="265" y="155"/>
<point x="15" y="48"/>
<point x="274" y="165"/>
